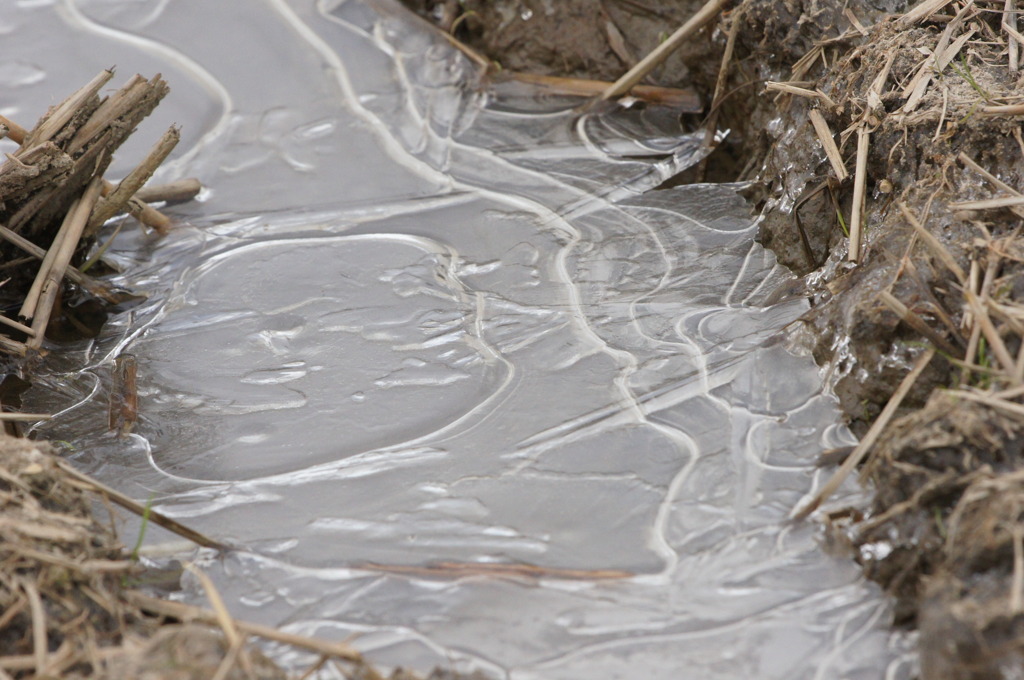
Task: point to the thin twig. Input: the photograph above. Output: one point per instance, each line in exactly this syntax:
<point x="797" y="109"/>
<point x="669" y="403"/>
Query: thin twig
<point x="686" y="100"/>
<point x="92" y="285"/>
<point x="933" y="244"/>
<point x="130" y="504"/>
<point x="828" y="144"/>
<point x="705" y="15"/>
<point x="995" y="342"/>
<point x="869" y="439"/>
<point x="924" y="10"/>
<point x="186" y="612"/>
<point x="859" y="192"/>
<point x="116" y="200"/>
<point x="65" y="245"/>
<point x="913" y="320"/>
<point x="60" y="116"/>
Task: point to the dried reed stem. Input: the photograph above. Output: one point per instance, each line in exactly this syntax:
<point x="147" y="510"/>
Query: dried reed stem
<point x="869" y="439"/>
<point x="112" y="108"/>
<point x="40" y="644"/>
<point x="704" y="15"/>
<point x="989" y="203"/>
<point x="933" y="245"/>
<point x="924" y="10"/>
<point x="995" y="181"/>
<point x="828" y="143"/>
<point x="686" y="100"/>
<point x="65" y="244"/>
<point x="995" y="342"/>
<point x="117" y="198"/>
<point x="130" y="504"/>
<point x="186" y="612"/>
<point x="859" y="192"/>
<point x="60" y="116"/>
<point x="913" y="320"/>
<point x="137" y="207"/>
<point x="92" y="285"/>
<point x="172" y="192"/>
<point x="1017" y="584"/>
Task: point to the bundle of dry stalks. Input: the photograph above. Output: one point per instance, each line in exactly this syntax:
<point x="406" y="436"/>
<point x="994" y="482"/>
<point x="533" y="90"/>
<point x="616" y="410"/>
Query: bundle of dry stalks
<point x="53" y="199"/>
<point x="68" y="608"/>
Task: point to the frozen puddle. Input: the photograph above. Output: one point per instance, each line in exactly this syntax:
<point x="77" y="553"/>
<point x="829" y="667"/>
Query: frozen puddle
<point x="417" y="327"/>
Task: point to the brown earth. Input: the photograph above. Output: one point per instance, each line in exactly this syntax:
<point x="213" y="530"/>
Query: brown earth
<point x="944" y="532"/>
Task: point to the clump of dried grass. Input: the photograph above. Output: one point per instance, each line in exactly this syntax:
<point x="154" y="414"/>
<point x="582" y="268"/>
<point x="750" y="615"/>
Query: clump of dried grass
<point x="67" y="608"/>
<point x="920" y="106"/>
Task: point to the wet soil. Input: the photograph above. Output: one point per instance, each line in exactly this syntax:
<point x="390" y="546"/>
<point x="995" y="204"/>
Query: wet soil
<point x="943" y="533"/>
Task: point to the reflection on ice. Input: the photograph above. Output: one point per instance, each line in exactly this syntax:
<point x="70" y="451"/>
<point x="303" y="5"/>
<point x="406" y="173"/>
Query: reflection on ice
<point x="418" y="328"/>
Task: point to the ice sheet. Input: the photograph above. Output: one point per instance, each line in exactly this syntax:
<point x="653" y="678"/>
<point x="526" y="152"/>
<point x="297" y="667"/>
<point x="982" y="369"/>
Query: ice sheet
<point x="417" y="325"/>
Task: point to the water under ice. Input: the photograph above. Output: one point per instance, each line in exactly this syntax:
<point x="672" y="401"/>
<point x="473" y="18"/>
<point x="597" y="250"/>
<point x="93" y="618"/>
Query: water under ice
<point x="414" y="322"/>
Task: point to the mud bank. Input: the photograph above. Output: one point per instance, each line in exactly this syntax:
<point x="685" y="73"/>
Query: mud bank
<point x="884" y="144"/>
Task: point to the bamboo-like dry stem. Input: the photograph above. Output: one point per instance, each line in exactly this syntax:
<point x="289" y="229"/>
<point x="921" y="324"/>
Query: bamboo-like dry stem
<point x="686" y="100"/>
<point x="913" y="320"/>
<point x="704" y="15"/>
<point x="711" y="123"/>
<point x="137" y="207"/>
<point x="40" y="644"/>
<point x="116" y="200"/>
<point x="869" y="439"/>
<point x="1017" y="583"/>
<point x="859" y="192"/>
<point x="24" y="417"/>
<point x="1009" y="24"/>
<point x="60" y="116"/>
<point x="172" y="192"/>
<point x="186" y="612"/>
<point x="1003" y="110"/>
<point x="789" y="88"/>
<point x="933" y="245"/>
<point x="110" y="110"/>
<point x="31" y="301"/>
<point x="92" y="285"/>
<point x="992" y="401"/>
<point x="989" y="203"/>
<point x="130" y="504"/>
<point x="11" y="323"/>
<point x="220" y="610"/>
<point x="995" y="342"/>
<point x="924" y="10"/>
<point x="828" y="143"/>
<point x="65" y="245"/>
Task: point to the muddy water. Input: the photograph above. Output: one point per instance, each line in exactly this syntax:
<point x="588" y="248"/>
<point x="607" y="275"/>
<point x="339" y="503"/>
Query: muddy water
<point x="416" y="326"/>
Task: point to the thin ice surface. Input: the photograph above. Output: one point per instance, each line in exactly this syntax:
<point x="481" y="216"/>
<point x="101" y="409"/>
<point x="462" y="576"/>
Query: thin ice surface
<point x="415" y="324"/>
